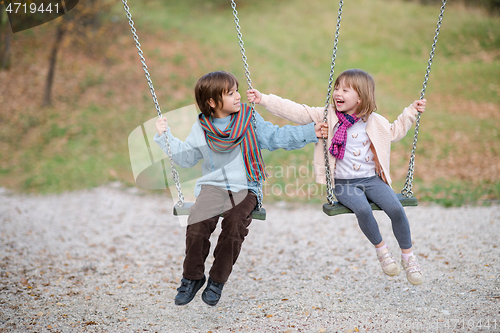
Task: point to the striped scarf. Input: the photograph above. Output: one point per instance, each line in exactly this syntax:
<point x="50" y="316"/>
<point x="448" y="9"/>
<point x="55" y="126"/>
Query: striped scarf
<point x="239" y="131"/>
<point x="339" y="140"/>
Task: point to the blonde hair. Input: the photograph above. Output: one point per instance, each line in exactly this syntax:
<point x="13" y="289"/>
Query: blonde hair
<point x="364" y="85"/>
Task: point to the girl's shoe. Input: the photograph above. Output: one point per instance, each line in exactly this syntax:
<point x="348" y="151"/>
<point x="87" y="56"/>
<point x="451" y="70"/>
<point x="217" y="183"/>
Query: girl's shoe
<point x="388" y="263"/>
<point x="413" y="272"/>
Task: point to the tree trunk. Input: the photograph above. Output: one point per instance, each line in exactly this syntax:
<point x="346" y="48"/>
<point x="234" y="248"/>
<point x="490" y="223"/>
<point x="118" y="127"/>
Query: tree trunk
<point x="6" y="51"/>
<point x="47" y="97"/>
<point x="1" y="31"/>
<point x="5" y="34"/>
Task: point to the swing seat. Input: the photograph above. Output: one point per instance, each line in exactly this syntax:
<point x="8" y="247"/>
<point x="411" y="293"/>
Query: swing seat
<point x="184" y="210"/>
<point x="337" y="208"/>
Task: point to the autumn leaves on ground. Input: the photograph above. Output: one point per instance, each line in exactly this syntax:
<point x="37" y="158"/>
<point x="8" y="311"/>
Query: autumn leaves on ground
<point x="100" y="95"/>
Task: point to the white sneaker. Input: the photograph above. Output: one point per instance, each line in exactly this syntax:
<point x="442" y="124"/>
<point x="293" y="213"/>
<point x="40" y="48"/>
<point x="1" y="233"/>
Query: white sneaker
<point x="413" y="271"/>
<point x="388" y="263"/>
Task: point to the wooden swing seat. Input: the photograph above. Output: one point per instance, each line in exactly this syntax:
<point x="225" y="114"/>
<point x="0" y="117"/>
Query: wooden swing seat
<point x="184" y="210"/>
<point x="337" y="208"/>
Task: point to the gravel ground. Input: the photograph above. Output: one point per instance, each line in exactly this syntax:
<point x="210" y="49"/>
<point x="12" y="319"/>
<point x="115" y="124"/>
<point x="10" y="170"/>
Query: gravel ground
<point x="110" y="260"/>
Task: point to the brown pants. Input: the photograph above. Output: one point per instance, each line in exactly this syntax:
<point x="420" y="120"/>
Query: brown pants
<point x="237" y="208"/>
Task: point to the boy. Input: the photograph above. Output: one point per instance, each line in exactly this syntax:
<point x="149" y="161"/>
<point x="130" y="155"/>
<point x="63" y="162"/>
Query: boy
<point x="229" y="143"/>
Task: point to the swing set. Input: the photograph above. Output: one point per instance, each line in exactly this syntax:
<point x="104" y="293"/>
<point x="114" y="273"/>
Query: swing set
<point x="332" y="207"/>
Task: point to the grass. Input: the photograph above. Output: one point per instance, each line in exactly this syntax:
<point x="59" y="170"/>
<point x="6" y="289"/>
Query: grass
<point x="80" y="142"/>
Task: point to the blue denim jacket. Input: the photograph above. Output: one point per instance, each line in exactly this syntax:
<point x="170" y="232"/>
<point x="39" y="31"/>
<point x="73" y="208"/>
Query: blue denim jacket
<point x="227" y="169"/>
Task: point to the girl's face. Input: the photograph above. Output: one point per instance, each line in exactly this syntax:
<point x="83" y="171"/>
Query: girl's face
<point x="346" y="99"/>
<point x="230" y="103"/>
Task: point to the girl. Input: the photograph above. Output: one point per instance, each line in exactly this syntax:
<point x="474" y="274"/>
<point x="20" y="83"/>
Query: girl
<point x="359" y="158"/>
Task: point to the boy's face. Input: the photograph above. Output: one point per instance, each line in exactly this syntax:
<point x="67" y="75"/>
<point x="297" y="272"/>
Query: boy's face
<point x="230" y="103"/>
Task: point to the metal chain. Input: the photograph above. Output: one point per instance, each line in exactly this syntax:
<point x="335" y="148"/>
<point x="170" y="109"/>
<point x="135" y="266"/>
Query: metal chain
<point x="329" y="187"/>
<point x="175" y="174"/>
<point x="407" y="189"/>
<point x="249" y="83"/>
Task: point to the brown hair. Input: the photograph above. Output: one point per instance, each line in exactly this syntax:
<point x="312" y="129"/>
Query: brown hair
<point x="364" y="85"/>
<point x="212" y="86"/>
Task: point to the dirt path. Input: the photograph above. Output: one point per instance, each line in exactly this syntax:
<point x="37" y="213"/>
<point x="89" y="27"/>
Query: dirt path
<point x="110" y="259"/>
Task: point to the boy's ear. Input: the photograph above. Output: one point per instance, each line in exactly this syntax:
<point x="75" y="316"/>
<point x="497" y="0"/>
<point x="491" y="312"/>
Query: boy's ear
<point x="211" y="102"/>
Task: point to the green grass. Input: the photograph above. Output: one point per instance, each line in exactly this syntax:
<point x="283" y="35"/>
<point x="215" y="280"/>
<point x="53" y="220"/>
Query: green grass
<point x="288" y="45"/>
<point x="456" y="194"/>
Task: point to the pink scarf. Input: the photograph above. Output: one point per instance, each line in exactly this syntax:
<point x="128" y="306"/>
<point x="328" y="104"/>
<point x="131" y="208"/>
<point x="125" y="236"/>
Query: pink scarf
<point x="337" y="149"/>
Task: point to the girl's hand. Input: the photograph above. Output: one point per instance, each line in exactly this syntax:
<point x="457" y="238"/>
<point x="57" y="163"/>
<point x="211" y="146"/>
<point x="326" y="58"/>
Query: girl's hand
<point x="253" y="95"/>
<point x="321" y="130"/>
<point x="161" y="125"/>
<point x="419" y="105"/>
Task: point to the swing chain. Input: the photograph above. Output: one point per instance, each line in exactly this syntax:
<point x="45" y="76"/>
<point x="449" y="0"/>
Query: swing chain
<point x="242" y="48"/>
<point x="330" y="193"/>
<point x="175" y="174"/>
<point x="249" y="83"/>
<point x="407" y="190"/>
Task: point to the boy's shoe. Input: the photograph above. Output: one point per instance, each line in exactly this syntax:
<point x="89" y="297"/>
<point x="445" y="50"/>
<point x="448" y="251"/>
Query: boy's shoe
<point x="188" y="290"/>
<point x="413" y="272"/>
<point x="212" y="292"/>
<point x="388" y="263"/>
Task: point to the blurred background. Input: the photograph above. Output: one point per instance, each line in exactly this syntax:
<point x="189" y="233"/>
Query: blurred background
<point x="73" y="89"/>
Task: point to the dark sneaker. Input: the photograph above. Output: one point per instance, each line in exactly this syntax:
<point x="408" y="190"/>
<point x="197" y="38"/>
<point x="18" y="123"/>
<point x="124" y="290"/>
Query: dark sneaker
<point x="188" y="290"/>
<point x="212" y="292"/>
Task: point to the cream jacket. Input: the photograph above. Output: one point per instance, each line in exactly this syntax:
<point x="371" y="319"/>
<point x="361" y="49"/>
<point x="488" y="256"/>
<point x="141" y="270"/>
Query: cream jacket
<point x="379" y="130"/>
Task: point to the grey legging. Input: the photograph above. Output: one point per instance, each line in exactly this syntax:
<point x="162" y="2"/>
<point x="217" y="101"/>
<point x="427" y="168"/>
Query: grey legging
<point x="356" y="193"/>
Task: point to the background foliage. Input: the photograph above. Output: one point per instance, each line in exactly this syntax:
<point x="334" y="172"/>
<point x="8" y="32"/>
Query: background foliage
<point x="100" y="94"/>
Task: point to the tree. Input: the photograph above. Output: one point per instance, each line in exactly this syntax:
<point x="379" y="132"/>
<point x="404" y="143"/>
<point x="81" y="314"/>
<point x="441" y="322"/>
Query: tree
<point x="83" y="22"/>
<point x="5" y="34"/>
<point x="47" y="95"/>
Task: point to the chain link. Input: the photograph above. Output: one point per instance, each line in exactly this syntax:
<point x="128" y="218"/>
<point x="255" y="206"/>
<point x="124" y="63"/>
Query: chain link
<point x="260" y="196"/>
<point x="175" y="174"/>
<point x="407" y="189"/>
<point x="329" y="186"/>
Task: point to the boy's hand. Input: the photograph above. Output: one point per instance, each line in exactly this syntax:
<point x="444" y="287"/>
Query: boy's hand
<point x="419" y="105"/>
<point x="321" y="130"/>
<point x="253" y="95"/>
<point x="161" y="125"/>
